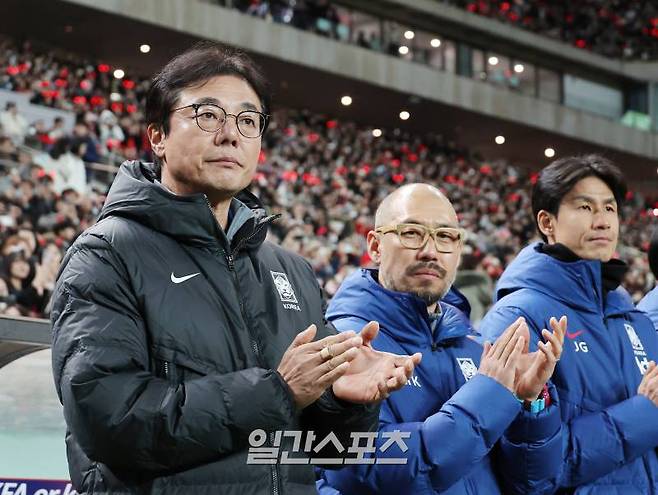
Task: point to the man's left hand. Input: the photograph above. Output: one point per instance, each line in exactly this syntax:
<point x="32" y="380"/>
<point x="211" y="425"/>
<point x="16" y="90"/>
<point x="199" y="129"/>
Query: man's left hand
<point x="373" y="375"/>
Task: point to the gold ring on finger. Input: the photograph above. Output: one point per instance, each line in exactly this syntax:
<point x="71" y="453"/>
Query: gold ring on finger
<point x="325" y="353"/>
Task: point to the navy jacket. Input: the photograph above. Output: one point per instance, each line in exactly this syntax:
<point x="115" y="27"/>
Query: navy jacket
<point x="649" y="304"/>
<point x="469" y="434"/>
<point x="609" y="432"/>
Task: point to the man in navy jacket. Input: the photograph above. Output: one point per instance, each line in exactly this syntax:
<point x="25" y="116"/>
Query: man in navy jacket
<point x="469" y="434"/>
<point x="649" y="304"/>
<point x="606" y="379"/>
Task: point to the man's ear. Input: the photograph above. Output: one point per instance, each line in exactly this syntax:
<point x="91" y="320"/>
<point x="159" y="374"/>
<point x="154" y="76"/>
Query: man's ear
<point x="545" y="222"/>
<point x="374" y="246"/>
<point x="157" y="139"/>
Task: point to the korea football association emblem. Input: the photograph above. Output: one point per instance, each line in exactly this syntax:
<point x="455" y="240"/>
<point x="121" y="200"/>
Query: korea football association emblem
<point x="285" y="290"/>
<point x="468" y="367"/>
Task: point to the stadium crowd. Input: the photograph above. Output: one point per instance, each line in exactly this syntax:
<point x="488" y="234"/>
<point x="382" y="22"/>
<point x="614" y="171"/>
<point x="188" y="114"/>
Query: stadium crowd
<point x="625" y="29"/>
<point x="324" y="175"/>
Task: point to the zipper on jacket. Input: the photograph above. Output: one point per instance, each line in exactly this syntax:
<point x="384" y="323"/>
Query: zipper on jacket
<point x="274" y="468"/>
<point x="274" y="471"/>
<point x="230" y="260"/>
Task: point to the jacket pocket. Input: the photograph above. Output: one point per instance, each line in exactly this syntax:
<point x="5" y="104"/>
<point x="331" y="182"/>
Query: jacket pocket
<point x="176" y="367"/>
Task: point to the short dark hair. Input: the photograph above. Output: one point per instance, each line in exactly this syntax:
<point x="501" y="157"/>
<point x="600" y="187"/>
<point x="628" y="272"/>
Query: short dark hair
<point x="195" y="66"/>
<point x="555" y="181"/>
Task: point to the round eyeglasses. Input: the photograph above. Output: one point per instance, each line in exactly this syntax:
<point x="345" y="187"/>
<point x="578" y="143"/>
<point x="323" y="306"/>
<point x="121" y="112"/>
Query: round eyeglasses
<point x="212" y="118"/>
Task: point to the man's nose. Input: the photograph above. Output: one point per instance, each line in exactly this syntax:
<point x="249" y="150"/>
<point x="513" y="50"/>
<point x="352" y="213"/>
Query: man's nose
<point x="600" y="220"/>
<point x="428" y="250"/>
<point x="228" y="132"/>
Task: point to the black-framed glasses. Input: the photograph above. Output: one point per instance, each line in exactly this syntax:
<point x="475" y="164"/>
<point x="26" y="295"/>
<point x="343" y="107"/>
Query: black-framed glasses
<point x="212" y="118"/>
<point x="415" y="236"/>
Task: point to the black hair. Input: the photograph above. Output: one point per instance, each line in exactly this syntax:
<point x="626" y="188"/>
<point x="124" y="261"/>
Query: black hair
<point x="61" y="147"/>
<point x="195" y="66"/>
<point x="555" y="181"/>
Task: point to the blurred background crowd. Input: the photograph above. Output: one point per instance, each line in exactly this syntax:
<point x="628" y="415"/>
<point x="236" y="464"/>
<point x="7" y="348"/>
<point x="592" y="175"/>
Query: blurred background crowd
<point x="326" y="177"/>
<point x="625" y="29"/>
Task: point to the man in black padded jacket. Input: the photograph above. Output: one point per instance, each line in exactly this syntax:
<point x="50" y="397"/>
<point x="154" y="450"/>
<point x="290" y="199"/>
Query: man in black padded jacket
<point x="176" y="325"/>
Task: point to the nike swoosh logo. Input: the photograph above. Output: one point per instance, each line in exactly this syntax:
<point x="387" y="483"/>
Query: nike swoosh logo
<point x="574" y="334"/>
<point x="180" y="280"/>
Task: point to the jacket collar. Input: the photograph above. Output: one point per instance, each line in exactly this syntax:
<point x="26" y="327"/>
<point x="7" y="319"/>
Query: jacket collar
<point x="577" y="283"/>
<point x="401" y="315"/>
<point x="188" y="219"/>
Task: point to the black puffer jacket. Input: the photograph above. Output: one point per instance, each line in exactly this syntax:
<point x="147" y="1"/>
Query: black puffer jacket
<point x="165" y="342"/>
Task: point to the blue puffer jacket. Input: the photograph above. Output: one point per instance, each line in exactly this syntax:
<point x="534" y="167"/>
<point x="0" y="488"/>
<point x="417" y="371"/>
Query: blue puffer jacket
<point x="649" y="304"/>
<point x="454" y="415"/>
<point x="609" y="432"/>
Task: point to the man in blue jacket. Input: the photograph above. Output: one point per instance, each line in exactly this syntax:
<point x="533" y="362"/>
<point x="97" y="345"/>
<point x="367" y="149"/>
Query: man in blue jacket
<point x="468" y="433"/>
<point x="649" y="304"/>
<point x="606" y="379"/>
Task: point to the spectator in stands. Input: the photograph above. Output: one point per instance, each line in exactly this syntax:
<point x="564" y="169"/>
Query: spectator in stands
<point x="19" y="275"/>
<point x="613" y="28"/>
<point x="475" y="284"/>
<point x="33" y="205"/>
<point x="650" y="302"/>
<point x="109" y="129"/>
<point x="454" y="444"/>
<point x="7" y="303"/>
<point x="64" y="161"/>
<point x="57" y="131"/>
<point x="163" y="385"/>
<point x="8" y="149"/>
<point x="13" y="124"/>
<point x="82" y="133"/>
<point x="607" y="378"/>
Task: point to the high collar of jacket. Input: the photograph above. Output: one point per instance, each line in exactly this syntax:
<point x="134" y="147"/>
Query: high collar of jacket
<point x="403" y="316"/>
<point x="562" y="275"/>
<point x="188" y="219"/>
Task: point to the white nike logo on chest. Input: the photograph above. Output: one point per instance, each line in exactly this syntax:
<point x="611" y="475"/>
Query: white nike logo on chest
<point x="180" y="280"/>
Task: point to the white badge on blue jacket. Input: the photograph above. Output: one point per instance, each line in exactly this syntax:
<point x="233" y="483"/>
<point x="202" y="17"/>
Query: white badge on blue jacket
<point x="468" y="367"/>
<point x="641" y="358"/>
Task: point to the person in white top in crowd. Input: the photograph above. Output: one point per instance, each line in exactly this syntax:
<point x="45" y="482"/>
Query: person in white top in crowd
<point x="65" y="160"/>
<point x="13" y="124"/>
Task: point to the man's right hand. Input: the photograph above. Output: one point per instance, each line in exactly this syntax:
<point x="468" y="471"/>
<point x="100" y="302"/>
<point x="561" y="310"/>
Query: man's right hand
<point x="649" y="384"/>
<point x="307" y="372"/>
<point x="500" y="360"/>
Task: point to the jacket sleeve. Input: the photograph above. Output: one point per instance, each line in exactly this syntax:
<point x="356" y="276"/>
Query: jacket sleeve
<point x="593" y="444"/>
<point x="331" y="415"/>
<point x="118" y="411"/>
<point x="440" y="450"/>
<point x="529" y="455"/>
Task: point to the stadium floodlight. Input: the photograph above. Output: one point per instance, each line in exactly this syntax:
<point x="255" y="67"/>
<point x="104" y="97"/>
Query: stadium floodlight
<point x="549" y="152"/>
<point x="436" y="42"/>
<point x="404" y="115"/>
<point x="118" y="73"/>
<point x="518" y="68"/>
<point x="493" y="60"/>
<point x="346" y="100"/>
<point x="655" y="212"/>
<point x="403" y="50"/>
<point x="376" y="132"/>
<point x="409" y="35"/>
<point x="145" y="48"/>
<point x="500" y="139"/>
